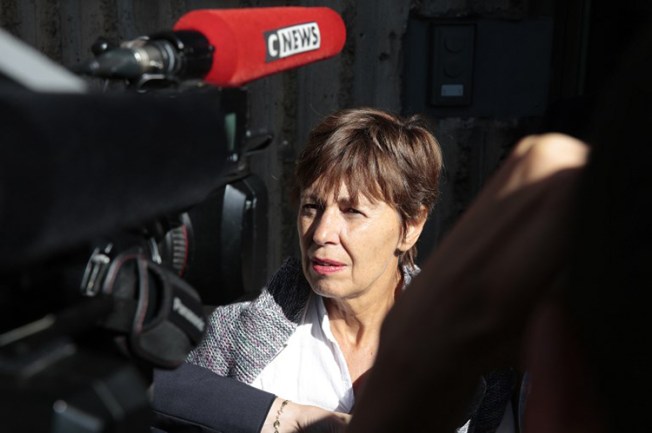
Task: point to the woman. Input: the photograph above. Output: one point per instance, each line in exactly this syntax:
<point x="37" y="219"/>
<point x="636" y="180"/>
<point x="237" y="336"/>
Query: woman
<point x="366" y="182"/>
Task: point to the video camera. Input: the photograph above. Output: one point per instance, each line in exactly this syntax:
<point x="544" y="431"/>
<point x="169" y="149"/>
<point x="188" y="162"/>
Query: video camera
<point x="124" y="217"/>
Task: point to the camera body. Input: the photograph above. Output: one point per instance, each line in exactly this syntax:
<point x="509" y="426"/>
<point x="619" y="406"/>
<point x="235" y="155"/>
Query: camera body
<point x="125" y="216"/>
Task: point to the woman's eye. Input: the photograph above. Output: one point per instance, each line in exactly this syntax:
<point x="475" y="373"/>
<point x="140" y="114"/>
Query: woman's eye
<point x="309" y="208"/>
<point x="352" y="210"/>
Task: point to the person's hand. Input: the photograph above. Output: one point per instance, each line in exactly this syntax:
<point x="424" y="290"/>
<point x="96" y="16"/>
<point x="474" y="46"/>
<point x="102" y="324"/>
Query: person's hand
<point x="295" y="418"/>
<point x="462" y="315"/>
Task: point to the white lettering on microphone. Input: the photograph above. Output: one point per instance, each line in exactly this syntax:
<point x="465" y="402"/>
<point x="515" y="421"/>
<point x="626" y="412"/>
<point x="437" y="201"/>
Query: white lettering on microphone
<point x="272" y="44"/>
<point x="289" y="41"/>
<point x="188" y="314"/>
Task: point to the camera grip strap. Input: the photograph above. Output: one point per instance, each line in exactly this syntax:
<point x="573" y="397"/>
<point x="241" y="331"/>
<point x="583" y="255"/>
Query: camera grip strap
<point x="160" y="314"/>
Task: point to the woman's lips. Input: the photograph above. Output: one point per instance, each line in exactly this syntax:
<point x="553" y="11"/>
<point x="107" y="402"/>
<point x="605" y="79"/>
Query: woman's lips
<point x="326" y="266"/>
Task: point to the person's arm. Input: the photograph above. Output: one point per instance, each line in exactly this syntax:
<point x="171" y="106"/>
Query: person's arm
<point x="193" y="398"/>
<point x="465" y="312"/>
<point x="287" y="416"/>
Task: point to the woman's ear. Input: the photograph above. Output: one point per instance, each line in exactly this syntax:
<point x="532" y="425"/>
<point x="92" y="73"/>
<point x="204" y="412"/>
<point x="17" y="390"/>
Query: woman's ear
<point x="413" y="229"/>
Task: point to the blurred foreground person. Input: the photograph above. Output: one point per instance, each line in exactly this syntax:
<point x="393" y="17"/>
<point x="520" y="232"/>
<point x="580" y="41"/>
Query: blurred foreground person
<point x="550" y="266"/>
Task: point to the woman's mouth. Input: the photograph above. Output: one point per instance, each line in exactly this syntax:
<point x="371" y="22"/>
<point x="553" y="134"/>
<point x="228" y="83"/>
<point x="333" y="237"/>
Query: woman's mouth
<point x="326" y="266"/>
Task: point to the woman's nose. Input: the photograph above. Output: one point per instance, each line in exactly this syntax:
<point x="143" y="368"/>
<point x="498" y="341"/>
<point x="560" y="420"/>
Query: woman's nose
<point x="327" y="228"/>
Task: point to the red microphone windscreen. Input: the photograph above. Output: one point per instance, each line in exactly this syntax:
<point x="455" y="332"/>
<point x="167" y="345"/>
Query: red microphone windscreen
<point x="254" y="42"/>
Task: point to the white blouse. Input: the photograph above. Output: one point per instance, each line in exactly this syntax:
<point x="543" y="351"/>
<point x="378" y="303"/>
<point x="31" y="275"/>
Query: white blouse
<point x="311" y="368"/>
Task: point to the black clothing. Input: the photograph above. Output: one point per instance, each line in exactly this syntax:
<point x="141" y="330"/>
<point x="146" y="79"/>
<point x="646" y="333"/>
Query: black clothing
<point x="194" y="399"/>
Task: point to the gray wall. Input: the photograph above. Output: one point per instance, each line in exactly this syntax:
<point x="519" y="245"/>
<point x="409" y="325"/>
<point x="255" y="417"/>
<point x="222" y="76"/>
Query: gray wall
<point x="375" y="68"/>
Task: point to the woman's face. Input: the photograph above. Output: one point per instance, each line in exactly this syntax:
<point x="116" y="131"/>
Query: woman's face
<point x="348" y="249"/>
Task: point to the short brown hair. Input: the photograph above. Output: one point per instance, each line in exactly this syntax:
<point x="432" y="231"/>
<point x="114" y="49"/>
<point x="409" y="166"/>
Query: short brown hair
<point x="377" y="154"/>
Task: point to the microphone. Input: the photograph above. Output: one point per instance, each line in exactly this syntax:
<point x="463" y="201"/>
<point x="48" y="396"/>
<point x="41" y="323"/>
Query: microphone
<point x="226" y="47"/>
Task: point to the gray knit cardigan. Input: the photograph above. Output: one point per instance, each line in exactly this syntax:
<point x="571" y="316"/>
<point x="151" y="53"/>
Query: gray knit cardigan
<point x="242" y="338"/>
